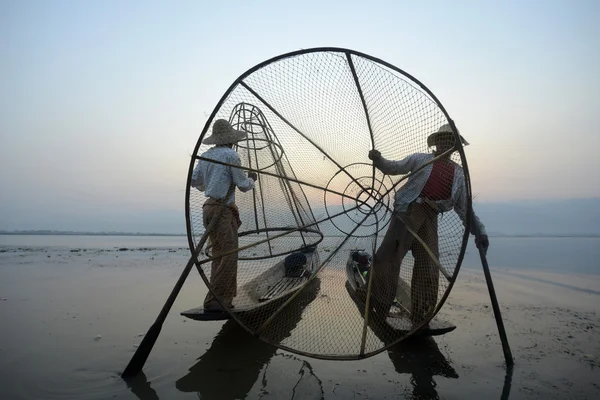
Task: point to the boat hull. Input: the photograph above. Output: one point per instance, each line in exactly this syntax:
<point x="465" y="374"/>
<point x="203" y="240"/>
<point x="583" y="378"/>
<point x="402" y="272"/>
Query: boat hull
<point x="266" y="292"/>
<point x="398" y="318"/>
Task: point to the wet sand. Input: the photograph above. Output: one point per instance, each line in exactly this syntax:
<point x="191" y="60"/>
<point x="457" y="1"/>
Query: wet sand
<point x="72" y="318"/>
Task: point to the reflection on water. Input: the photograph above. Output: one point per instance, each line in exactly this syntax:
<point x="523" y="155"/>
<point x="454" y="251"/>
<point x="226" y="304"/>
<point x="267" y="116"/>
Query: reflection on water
<point x="237" y="365"/>
<point x="236" y="362"/>
<point x="233" y="364"/>
<point x="140" y="386"/>
<point x="236" y="356"/>
<point x="507" y="384"/>
<point x="419" y="357"/>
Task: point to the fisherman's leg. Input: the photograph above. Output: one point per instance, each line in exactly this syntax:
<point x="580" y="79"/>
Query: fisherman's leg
<point x="425" y="277"/>
<point x="223" y="239"/>
<point x="208" y="211"/>
<point x="230" y="262"/>
<point x="224" y="278"/>
<point x="387" y="261"/>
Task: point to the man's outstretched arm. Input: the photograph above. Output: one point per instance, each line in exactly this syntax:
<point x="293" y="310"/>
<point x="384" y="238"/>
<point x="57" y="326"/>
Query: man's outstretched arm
<point x="389" y="167"/>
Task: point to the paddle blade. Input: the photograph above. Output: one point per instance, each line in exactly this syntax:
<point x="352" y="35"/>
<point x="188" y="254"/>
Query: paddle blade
<point x="141" y="355"/>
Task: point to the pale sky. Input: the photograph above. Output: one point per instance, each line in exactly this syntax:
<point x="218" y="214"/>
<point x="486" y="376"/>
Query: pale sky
<point x="102" y="102"/>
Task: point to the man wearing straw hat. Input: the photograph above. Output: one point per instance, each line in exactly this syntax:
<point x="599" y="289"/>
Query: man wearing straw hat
<point x="436" y="188"/>
<point x="215" y="181"/>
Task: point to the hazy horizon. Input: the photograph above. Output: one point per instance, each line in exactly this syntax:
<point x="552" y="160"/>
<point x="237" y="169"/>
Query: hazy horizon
<point x="549" y="217"/>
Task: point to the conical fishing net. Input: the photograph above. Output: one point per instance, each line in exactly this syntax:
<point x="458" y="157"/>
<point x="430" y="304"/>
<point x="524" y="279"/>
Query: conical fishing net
<point x="313" y="273"/>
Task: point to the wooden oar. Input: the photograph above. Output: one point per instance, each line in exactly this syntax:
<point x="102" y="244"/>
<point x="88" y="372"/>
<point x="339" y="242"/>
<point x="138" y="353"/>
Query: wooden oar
<point x="495" y="306"/>
<point x="143" y="351"/>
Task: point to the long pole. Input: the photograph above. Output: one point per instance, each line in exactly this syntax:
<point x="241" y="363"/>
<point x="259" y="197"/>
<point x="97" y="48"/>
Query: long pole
<point x="141" y="355"/>
<point x="488" y="278"/>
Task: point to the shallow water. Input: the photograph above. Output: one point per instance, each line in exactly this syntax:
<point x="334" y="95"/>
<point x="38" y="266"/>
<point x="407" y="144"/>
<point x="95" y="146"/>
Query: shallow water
<point x="579" y="255"/>
<point x="71" y="320"/>
<point x="556" y="254"/>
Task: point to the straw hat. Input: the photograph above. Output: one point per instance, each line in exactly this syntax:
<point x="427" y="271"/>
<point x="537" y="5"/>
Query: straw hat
<point x="223" y="133"/>
<point x="444" y="133"/>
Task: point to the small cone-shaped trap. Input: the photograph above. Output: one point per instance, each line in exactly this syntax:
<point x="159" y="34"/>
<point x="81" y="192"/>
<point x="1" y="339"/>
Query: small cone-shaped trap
<point x="309" y="278"/>
<point x="278" y="204"/>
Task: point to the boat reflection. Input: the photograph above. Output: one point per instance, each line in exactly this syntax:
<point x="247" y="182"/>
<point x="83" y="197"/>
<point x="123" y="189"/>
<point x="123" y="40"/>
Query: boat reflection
<point x="418" y="356"/>
<point x="238" y="365"/>
<point x="231" y="366"/>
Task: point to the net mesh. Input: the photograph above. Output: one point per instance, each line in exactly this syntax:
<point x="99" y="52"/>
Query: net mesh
<point x="318" y="238"/>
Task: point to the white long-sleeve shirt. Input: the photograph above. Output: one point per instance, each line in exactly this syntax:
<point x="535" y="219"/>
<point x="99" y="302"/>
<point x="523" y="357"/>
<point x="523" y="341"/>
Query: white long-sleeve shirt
<point x="415" y="183"/>
<point x="214" y="179"/>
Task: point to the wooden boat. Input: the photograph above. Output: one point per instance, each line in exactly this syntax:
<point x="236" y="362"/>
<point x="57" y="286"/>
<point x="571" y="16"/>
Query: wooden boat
<point x="398" y="319"/>
<point x="264" y="293"/>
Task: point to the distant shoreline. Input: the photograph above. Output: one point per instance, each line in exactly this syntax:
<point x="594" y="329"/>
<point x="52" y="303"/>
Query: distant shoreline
<point x="73" y="233"/>
<point x="69" y="233"/>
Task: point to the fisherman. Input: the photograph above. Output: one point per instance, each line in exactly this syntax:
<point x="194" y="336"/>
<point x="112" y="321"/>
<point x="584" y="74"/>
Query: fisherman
<point x="215" y="181"/>
<point x="437" y="188"/>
